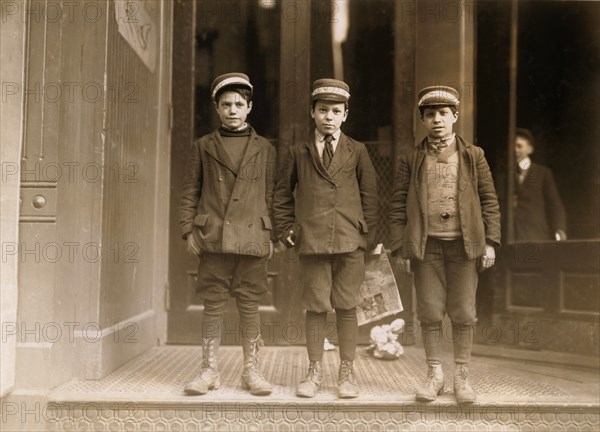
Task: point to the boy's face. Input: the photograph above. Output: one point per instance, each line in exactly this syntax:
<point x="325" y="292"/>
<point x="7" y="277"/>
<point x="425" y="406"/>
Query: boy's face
<point x="233" y="109"/>
<point x="523" y="148"/>
<point x="439" y="121"/>
<point x="329" y="116"/>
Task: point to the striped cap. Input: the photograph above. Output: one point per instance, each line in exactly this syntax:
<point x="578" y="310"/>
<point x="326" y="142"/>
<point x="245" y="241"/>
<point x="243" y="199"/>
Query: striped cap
<point x="230" y="79"/>
<point x="330" y="89"/>
<point x="438" y="95"/>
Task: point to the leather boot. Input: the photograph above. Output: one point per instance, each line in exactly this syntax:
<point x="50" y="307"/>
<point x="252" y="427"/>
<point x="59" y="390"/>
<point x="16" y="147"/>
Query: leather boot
<point x="434" y="383"/>
<point x="309" y="386"/>
<point x="463" y="392"/>
<point x="347" y="387"/>
<point x="252" y="379"/>
<point x="462" y="340"/>
<point x="209" y="377"/>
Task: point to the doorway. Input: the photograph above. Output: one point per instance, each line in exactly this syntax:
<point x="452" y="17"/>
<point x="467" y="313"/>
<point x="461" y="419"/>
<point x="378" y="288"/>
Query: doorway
<point x="301" y="41"/>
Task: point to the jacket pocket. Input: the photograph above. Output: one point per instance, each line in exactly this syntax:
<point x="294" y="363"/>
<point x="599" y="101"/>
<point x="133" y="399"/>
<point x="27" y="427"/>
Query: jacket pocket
<point x="363" y="226"/>
<point x="200" y="220"/>
<point x="267" y="222"/>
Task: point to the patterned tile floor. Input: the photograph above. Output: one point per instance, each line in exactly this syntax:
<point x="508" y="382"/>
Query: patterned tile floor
<point x="158" y="376"/>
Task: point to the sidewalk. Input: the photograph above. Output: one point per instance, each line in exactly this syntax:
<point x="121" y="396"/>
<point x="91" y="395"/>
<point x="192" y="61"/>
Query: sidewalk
<point x="147" y="394"/>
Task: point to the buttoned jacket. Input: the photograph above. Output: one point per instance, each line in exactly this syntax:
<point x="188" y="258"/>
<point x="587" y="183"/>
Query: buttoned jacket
<point x="228" y="208"/>
<point x="332" y="210"/>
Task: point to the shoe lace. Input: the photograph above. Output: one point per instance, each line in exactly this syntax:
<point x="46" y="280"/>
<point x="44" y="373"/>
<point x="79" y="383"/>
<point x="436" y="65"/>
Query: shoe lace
<point x="463" y="374"/>
<point x="252" y="364"/>
<point x="346" y="371"/>
<point x="209" y="358"/>
<point x="431" y="374"/>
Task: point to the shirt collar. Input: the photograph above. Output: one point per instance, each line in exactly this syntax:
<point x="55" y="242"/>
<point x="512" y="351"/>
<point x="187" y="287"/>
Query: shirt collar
<point x="320" y="137"/>
<point x="525" y="164"/>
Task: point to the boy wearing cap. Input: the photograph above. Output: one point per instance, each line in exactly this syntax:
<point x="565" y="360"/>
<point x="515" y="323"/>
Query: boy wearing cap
<point x="225" y="217"/>
<point x="539" y="214"/>
<point x="445" y="219"/>
<point x="326" y="206"/>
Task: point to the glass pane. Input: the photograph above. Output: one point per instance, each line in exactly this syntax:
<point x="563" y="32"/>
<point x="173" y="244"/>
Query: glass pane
<point x="557" y="82"/>
<point x="238" y="36"/>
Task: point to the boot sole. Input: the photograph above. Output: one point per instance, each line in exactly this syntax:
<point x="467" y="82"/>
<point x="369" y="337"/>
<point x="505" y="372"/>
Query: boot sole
<point x="466" y="401"/>
<point x="430" y="399"/>
<point x="308" y="395"/>
<point x="261" y="392"/>
<point x="192" y="392"/>
<point x="258" y="392"/>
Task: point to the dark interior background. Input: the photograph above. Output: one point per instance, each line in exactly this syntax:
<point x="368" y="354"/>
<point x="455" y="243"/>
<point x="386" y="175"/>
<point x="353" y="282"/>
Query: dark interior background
<point x="558" y="89"/>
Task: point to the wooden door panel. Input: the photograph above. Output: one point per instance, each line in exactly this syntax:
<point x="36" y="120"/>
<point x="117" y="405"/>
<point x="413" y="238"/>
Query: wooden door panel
<point x="547" y="297"/>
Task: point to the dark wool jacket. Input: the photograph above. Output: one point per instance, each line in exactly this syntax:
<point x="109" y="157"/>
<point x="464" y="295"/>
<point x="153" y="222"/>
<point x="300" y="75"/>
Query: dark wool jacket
<point x="228" y="210"/>
<point x="477" y="202"/>
<point x="539" y="211"/>
<point x="330" y="211"/>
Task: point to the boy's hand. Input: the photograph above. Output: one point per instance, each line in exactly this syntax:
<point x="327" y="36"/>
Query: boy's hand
<point x="290" y="240"/>
<point x="488" y="258"/>
<point x="192" y="246"/>
<point x="403" y="264"/>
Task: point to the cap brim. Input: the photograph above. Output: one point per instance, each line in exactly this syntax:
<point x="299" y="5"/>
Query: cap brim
<point x="438" y="103"/>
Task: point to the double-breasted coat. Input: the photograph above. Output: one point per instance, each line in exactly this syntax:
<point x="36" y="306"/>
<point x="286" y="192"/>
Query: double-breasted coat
<point x="227" y="208"/>
<point x="331" y="210"/>
<point x="477" y="202"/>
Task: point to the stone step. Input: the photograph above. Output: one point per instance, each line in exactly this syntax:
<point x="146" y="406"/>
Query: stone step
<point x="146" y="395"/>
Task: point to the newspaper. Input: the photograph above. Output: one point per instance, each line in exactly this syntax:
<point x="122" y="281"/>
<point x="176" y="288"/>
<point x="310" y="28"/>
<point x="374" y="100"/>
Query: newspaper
<point x="379" y="290"/>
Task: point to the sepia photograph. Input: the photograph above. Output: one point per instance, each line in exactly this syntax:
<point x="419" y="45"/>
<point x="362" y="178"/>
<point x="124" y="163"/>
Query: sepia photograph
<point x="300" y="215"/>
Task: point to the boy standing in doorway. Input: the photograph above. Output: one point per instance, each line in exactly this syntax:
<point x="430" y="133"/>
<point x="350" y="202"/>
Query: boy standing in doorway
<point x="225" y="217"/>
<point x="445" y="219"/>
<point x="326" y="206"/>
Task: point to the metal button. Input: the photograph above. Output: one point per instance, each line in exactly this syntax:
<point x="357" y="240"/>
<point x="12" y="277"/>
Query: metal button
<point x="250" y="225"/>
<point x="220" y="178"/>
<point x="227" y="221"/>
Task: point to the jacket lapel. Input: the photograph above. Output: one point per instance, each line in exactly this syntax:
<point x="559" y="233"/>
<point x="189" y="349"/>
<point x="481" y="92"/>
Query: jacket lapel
<point x="216" y="149"/>
<point x="342" y="153"/>
<point x="312" y="148"/>
<point x="251" y="149"/>
<point x="421" y="174"/>
<point x="466" y="168"/>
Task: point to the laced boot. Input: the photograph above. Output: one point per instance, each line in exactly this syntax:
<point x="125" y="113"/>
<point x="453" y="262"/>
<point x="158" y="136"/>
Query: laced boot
<point x="463" y="392"/>
<point x="209" y="377"/>
<point x="463" y="341"/>
<point x="309" y="386"/>
<point x="252" y="378"/>
<point x="347" y="387"/>
<point x="434" y="384"/>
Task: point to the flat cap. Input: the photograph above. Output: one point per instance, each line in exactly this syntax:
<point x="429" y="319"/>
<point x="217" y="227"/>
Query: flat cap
<point x="438" y="95"/>
<point x="230" y="79"/>
<point x="330" y="89"/>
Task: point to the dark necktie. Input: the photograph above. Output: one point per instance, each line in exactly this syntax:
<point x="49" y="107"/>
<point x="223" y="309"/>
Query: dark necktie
<point x="328" y="151"/>
<point x="520" y="174"/>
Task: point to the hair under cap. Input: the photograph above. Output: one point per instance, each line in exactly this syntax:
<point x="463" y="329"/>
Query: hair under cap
<point x="230" y="79"/>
